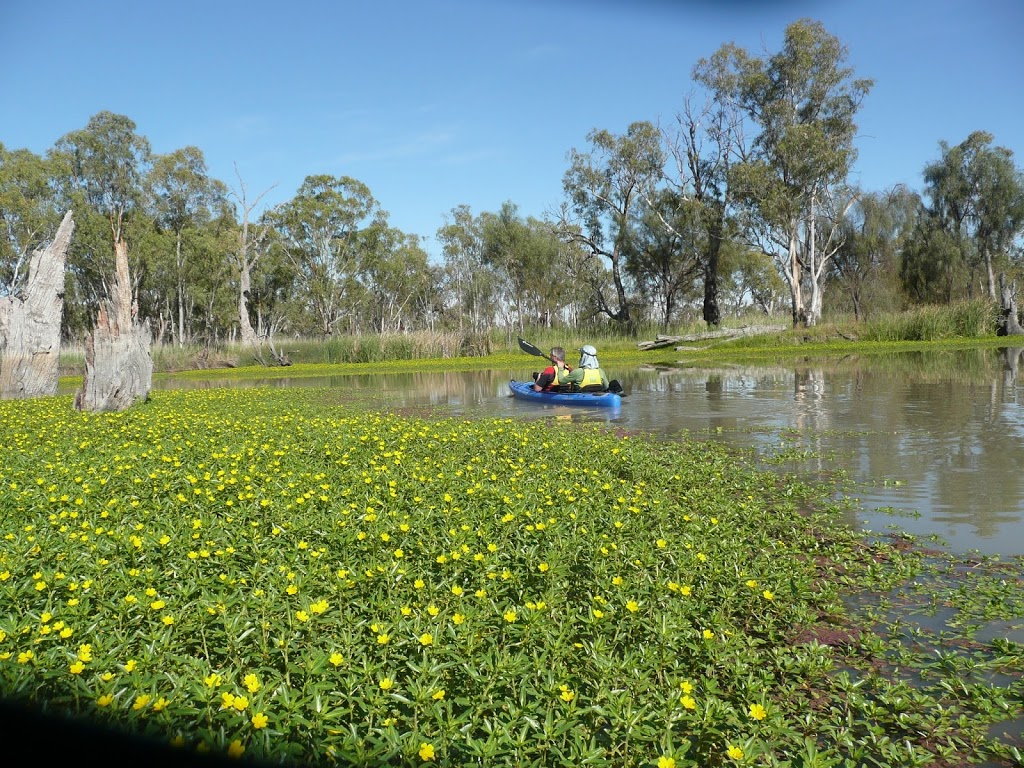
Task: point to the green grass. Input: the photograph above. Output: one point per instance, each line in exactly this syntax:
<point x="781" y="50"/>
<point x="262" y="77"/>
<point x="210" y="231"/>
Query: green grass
<point x="285" y="575"/>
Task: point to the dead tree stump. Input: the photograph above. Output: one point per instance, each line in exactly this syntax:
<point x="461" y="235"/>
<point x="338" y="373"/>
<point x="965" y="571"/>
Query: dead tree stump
<point x="1010" y="325"/>
<point x="118" y="360"/>
<point x="30" y="323"/>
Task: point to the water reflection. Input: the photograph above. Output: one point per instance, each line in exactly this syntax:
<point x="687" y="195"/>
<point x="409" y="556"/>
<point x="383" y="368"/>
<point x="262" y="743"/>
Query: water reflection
<point x="933" y="442"/>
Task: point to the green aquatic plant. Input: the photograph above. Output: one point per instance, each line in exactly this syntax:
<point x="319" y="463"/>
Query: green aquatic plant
<point x="285" y="575"/>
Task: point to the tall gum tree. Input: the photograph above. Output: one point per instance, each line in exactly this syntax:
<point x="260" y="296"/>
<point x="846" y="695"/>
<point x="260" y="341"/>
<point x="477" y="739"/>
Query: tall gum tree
<point x="704" y="143"/>
<point x="977" y="198"/>
<point x="802" y="103"/>
<point x="183" y="198"/>
<point x="323" y="230"/>
<point x="606" y="190"/>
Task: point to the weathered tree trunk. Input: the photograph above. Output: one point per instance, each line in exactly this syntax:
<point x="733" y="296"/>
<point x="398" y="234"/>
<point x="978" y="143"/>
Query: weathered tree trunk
<point x="30" y="326"/>
<point x="1011" y="326"/>
<point x="118" y="361"/>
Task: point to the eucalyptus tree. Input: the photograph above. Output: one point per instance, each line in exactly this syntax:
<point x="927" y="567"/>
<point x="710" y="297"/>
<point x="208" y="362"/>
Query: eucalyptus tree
<point x="251" y="242"/>
<point x="664" y="256"/>
<point x="704" y="143"/>
<point x="977" y="196"/>
<point x="802" y="102"/>
<point x="184" y="201"/>
<point x="525" y="253"/>
<point x="28" y="213"/>
<point x="606" y="189"/>
<point x="471" y="283"/>
<point x="933" y="266"/>
<point x="875" y="230"/>
<point x="395" y="270"/>
<point x="99" y="172"/>
<point x="322" y="231"/>
<point x="750" y="279"/>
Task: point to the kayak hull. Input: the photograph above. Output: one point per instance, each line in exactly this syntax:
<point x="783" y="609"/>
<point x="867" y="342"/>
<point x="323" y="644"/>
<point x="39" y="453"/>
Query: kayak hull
<point x="524" y="391"/>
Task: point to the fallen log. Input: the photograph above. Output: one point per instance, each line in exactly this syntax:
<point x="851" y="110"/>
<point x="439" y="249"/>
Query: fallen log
<point x="661" y="341"/>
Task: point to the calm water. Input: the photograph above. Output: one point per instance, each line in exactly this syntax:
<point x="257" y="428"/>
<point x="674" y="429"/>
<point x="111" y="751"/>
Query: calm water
<point x="931" y="443"/>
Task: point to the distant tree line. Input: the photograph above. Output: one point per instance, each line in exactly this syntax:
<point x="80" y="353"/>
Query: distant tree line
<point x="742" y="202"/>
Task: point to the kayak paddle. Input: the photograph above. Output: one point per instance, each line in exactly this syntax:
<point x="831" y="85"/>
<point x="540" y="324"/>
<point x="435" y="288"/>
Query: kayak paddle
<point x="529" y="349"/>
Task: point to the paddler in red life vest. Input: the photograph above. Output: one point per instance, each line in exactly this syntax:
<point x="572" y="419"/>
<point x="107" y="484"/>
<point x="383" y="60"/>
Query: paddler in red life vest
<point x="555" y="376"/>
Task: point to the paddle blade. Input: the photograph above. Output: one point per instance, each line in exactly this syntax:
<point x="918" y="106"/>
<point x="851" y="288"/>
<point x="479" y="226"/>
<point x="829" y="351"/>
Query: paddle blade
<point x="529" y="349"/>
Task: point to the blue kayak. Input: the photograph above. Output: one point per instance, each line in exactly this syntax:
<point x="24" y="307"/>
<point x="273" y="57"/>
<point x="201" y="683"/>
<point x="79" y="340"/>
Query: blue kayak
<point x="524" y="390"/>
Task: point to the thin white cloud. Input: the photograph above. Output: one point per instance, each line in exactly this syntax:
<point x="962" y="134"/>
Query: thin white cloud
<point x="420" y="144"/>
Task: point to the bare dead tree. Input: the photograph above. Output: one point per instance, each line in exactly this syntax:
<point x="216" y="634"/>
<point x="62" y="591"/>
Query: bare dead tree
<point x="118" y="361"/>
<point x="30" y="322"/>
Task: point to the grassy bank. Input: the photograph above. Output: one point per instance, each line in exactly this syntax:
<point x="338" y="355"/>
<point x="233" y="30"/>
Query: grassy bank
<point x="962" y="324"/>
<point x="304" y="581"/>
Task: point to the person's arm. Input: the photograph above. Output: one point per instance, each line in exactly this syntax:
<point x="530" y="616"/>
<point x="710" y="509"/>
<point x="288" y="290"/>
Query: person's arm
<point x="544" y="379"/>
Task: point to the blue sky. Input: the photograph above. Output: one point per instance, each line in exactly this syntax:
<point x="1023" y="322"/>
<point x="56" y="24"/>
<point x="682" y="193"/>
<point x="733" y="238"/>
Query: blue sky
<point x="439" y="103"/>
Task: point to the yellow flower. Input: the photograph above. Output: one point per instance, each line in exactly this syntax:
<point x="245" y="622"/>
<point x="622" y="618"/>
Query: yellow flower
<point x="337" y="659"/>
<point x="240" y="703"/>
<point x="252" y="683"/>
<point x="235" y="749"/>
<point x="302" y="616"/>
<point x="768" y="595"/>
<point x="438" y="695"/>
<point x="386" y="684"/>
<point x="433" y="610"/>
<point x="598" y="614"/>
<point x="141" y="701"/>
<point x="157" y="605"/>
<point x="751" y="583"/>
<point x="105" y="700"/>
<point x="130" y="665"/>
<point x="543" y="567"/>
<point x="77" y="667"/>
<point x="426" y="751"/>
<point x="457" y="590"/>
<point x="384" y="638"/>
<point x="632" y="606"/>
<point x="426" y="639"/>
<point x="666" y="762"/>
<point x="160" y="704"/>
<point x="688" y="702"/>
<point x="661" y="543"/>
<point x="212" y="680"/>
<point x="418" y="584"/>
<point x="25" y="657"/>
<point x="85" y="652"/>
<point x="320" y="606"/>
<point x="167" y="620"/>
<point x="510" y="616"/>
<point x="708" y="634"/>
<point x="227" y="700"/>
<point x="758" y="712"/>
<point x="735" y="752"/>
<point x="458" y="618"/>
<point x="259" y="720"/>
